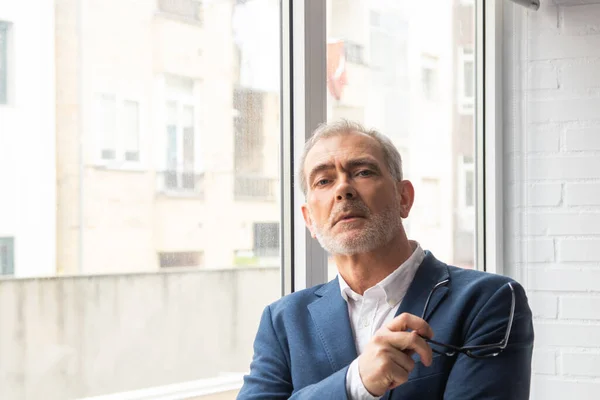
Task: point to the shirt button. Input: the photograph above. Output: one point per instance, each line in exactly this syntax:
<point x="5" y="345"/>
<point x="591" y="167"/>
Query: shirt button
<point x="365" y="323"/>
<point x="391" y="303"/>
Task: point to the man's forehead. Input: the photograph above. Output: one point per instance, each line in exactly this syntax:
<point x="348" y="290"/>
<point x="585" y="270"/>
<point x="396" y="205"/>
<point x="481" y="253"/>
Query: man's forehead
<point x="346" y="147"/>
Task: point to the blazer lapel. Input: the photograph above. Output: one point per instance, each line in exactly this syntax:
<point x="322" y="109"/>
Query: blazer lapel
<point x="431" y="272"/>
<point x="330" y="315"/>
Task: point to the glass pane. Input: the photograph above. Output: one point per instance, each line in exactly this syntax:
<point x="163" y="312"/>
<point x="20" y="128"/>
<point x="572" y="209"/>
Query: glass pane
<point x="189" y="150"/>
<point x="404" y="86"/>
<point x="106" y="120"/>
<point x="131" y="130"/>
<point x="155" y="271"/>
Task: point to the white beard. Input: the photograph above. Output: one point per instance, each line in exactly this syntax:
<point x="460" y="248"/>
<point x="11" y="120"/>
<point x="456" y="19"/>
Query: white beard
<point x="379" y="229"/>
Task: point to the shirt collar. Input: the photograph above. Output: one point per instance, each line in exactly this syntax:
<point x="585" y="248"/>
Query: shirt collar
<point x="395" y="285"/>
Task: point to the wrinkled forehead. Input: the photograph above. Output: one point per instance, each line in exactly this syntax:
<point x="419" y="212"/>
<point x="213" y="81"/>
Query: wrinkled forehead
<point x="342" y="148"/>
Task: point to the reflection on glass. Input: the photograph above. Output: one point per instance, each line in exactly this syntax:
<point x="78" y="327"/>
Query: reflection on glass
<point x="409" y="73"/>
<point x="148" y="195"/>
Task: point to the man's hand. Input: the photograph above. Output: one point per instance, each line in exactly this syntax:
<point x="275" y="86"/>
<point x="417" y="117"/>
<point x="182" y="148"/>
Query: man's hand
<point x="386" y="362"/>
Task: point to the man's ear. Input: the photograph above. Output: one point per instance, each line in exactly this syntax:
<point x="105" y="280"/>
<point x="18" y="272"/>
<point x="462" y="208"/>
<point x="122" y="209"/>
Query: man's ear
<point x="307" y="219"/>
<point x="406" y="191"/>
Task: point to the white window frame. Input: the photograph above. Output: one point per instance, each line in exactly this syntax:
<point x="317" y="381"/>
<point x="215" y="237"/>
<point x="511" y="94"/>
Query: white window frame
<point x="489" y="146"/>
<point x="181" y="103"/>
<point x="119" y="162"/>
<point x="181" y="100"/>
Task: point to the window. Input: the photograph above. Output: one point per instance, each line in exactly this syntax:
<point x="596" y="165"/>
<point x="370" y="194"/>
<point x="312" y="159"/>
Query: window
<point x="466" y="81"/>
<point x="118" y="129"/>
<point x="266" y="238"/>
<point x="180" y="259"/>
<point x="4" y="31"/>
<point x="467" y="183"/>
<point x="138" y="223"/>
<point x="181" y="173"/>
<point x="7" y="256"/>
<point x="429" y="77"/>
<point x="404" y="95"/>
<point x="354" y="52"/>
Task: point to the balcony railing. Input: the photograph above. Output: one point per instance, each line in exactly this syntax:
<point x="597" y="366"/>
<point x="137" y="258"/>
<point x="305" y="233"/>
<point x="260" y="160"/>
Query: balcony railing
<point x="252" y="187"/>
<point x="180" y="182"/>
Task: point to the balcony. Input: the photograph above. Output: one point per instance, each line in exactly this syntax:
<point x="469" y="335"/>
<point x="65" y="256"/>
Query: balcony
<point x="179" y="183"/>
<point x="255" y="188"/>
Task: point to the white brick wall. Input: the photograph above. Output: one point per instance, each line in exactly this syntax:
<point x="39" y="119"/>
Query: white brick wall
<point x="552" y="168"/>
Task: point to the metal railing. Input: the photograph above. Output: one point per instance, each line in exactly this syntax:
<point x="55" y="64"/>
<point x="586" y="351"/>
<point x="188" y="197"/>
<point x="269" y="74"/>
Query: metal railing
<point x="252" y="187"/>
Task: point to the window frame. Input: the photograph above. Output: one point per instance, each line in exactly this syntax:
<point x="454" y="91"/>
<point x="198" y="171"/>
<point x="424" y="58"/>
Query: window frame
<point x="489" y="144"/>
<point x="303" y="107"/>
<point x="120" y="161"/>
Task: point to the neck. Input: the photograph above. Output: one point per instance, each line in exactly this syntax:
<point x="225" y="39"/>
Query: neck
<point x="365" y="270"/>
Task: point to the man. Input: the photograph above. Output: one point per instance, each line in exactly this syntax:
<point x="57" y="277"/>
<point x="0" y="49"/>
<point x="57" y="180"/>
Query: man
<point x="396" y="323"/>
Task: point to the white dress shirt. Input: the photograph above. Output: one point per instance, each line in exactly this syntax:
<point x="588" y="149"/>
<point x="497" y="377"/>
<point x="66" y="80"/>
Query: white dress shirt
<point x="377" y="306"/>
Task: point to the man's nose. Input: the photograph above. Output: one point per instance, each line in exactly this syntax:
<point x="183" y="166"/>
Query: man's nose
<point x="345" y="191"/>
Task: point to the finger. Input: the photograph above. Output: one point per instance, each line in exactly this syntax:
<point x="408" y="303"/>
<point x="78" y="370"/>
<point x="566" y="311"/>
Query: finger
<point x="411" y="341"/>
<point x="406" y="321"/>
<point x="403" y="360"/>
<point x="399" y="373"/>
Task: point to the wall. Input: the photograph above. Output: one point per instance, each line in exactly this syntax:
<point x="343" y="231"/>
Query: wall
<point x="71" y="337"/>
<point x="552" y="165"/>
<point x="27" y="138"/>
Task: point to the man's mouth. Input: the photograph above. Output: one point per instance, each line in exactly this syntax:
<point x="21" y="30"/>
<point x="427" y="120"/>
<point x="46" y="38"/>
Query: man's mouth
<point x="348" y="218"/>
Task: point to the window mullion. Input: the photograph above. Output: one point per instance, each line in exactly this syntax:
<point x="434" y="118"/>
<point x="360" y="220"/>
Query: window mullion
<point x="304" y="107"/>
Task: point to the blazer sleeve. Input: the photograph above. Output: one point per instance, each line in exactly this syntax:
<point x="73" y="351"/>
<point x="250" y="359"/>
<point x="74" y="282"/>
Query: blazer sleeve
<point x="270" y="376"/>
<point x="508" y="375"/>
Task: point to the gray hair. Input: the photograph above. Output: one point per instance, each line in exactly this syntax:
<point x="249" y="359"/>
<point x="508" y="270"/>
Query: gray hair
<point x="390" y="153"/>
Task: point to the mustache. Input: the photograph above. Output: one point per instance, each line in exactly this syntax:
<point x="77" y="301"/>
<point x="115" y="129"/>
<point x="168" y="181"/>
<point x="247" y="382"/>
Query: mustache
<point x="357" y="207"/>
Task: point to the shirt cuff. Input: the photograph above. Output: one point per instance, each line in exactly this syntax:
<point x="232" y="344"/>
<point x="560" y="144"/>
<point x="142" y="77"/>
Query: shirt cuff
<point x="355" y="389"/>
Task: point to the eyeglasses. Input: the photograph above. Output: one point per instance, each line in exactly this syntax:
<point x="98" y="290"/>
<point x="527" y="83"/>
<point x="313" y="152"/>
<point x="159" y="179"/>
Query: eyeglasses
<point x="478" y="351"/>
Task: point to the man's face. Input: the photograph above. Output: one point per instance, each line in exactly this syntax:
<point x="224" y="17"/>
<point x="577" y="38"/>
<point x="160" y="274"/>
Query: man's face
<point x="354" y="205"/>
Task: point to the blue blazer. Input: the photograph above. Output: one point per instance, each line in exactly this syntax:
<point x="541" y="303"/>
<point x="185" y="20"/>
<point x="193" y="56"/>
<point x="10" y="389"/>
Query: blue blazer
<point x="305" y="344"/>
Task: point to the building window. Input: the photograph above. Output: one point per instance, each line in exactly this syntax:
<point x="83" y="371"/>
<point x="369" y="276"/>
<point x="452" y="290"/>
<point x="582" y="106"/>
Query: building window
<point x="466" y="183"/>
<point x="180" y="259"/>
<point x="118" y="129"/>
<point x="251" y="181"/>
<point x="7" y="256"/>
<point x="187" y="9"/>
<point x="466" y="80"/>
<point x="4" y="32"/>
<point x="180" y="137"/>
<point x="266" y="239"/>
<point x="429" y="77"/>
<point x="354" y="52"/>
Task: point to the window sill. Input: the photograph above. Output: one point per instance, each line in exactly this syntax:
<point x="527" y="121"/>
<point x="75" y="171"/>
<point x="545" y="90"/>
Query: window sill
<point x="118" y="167"/>
<point x="174" y="194"/>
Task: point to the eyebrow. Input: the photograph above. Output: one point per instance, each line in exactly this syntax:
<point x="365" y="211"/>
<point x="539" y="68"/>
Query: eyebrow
<point x="357" y="162"/>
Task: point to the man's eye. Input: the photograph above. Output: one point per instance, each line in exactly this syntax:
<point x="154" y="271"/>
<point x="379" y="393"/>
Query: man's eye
<point x="322" y="182"/>
<point x="364" y="173"/>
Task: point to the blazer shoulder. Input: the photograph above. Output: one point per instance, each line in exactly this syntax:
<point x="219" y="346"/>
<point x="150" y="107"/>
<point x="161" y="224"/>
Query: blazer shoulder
<point x="296" y="301"/>
<point x="479" y="281"/>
